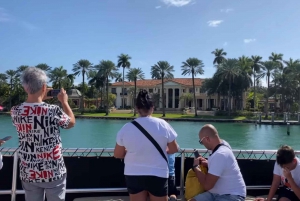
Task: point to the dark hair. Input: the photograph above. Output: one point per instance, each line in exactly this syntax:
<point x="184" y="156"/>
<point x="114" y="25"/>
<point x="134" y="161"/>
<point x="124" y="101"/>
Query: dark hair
<point x="144" y="100"/>
<point x="285" y="155"/>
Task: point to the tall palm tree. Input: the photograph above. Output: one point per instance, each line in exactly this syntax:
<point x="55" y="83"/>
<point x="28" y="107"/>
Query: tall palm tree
<point x="12" y="75"/>
<point x="278" y="67"/>
<point x="162" y="70"/>
<point x="108" y="70"/>
<point x="193" y="66"/>
<point x="228" y="70"/>
<point x="44" y="67"/>
<point x="99" y="83"/>
<point x="133" y="75"/>
<point x="256" y="66"/>
<point x="82" y="67"/>
<point x="58" y="75"/>
<point x="268" y="69"/>
<point x="21" y="68"/>
<point x="219" y="56"/>
<point x="123" y="61"/>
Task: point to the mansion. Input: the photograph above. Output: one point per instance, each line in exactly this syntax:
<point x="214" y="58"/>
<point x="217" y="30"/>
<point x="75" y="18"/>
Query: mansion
<point x="175" y="90"/>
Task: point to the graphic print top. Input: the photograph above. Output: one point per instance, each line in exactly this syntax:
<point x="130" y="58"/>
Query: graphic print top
<point x="37" y="125"/>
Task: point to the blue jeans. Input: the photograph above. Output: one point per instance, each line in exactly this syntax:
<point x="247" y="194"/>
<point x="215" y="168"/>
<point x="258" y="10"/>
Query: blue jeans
<point x="207" y="196"/>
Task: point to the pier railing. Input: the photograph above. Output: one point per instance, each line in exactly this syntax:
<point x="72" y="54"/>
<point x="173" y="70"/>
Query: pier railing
<point x="108" y="152"/>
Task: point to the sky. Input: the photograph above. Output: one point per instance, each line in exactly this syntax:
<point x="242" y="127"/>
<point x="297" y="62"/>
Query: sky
<point x="60" y="33"/>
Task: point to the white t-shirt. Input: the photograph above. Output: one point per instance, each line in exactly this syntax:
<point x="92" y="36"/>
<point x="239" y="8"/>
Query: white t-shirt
<point x="142" y="157"/>
<point x="223" y="164"/>
<point x="223" y="142"/>
<point x="295" y="174"/>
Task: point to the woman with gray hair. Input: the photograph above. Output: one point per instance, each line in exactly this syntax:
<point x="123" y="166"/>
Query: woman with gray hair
<point x="38" y="124"/>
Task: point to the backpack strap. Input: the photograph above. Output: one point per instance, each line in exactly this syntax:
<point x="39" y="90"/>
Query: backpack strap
<point x="150" y="138"/>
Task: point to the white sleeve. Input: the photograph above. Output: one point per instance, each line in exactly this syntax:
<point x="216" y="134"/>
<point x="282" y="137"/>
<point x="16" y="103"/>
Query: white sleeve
<point x="217" y="164"/>
<point x="171" y="133"/>
<point x="1" y="163"/>
<point x="277" y="169"/>
<point x="120" y="136"/>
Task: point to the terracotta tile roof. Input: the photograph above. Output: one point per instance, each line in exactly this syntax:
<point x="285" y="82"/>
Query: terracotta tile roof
<point x="153" y="83"/>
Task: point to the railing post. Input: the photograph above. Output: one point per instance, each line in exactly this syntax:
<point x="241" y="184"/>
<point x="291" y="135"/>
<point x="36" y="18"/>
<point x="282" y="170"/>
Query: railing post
<point x="14" y="177"/>
<point x="182" y="173"/>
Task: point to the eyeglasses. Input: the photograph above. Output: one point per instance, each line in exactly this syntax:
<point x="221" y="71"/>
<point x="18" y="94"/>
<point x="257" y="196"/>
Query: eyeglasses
<point x="201" y="141"/>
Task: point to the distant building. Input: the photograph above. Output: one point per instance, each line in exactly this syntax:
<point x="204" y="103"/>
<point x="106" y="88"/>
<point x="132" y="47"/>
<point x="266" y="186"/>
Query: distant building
<point x="174" y="89"/>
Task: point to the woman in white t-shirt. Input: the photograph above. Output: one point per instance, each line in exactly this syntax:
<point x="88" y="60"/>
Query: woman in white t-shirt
<point x="146" y="170"/>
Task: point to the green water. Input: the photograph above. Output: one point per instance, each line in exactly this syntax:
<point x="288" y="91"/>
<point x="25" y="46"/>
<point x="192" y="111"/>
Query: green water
<point x="100" y="133"/>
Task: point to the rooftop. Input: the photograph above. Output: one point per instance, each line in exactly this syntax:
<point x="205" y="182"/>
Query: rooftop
<point x="153" y="83"/>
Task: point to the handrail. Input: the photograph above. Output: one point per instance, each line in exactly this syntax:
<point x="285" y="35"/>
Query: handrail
<point x="93" y="152"/>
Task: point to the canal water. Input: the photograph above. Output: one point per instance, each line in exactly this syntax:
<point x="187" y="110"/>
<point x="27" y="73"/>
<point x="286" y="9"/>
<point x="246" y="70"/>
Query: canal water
<point x="101" y="133"/>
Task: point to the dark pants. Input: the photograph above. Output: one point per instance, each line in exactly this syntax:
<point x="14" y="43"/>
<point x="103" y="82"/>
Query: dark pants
<point x="157" y="186"/>
<point x="286" y="193"/>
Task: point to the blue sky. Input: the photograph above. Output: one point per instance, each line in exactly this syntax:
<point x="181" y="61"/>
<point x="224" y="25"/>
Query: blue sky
<point x="60" y="33"/>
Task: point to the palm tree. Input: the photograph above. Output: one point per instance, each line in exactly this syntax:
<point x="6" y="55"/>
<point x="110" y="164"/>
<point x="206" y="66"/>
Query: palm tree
<point x="123" y="61"/>
<point x="82" y="67"/>
<point x="99" y="83"/>
<point x="256" y="66"/>
<point x="57" y="75"/>
<point x="193" y="66"/>
<point x="21" y="68"/>
<point x="162" y="70"/>
<point x="12" y="75"/>
<point x="133" y="75"/>
<point x="3" y="78"/>
<point x="44" y="67"/>
<point x="268" y="69"/>
<point x="228" y="70"/>
<point x="219" y="56"/>
<point x="119" y="77"/>
<point x="278" y="65"/>
<point x="108" y="70"/>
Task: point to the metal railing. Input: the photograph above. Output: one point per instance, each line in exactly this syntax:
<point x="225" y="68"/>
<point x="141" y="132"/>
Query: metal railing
<point x="108" y="152"/>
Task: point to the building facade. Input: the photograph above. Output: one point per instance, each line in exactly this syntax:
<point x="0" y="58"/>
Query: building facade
<point x="178" y="94"/>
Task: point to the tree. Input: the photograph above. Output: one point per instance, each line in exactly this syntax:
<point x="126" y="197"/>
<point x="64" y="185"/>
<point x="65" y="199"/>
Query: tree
<point x="82" y="67"/>
<point x="123" y="61"/>
<point x="228" y="70"/>
<point x="43" y="67"/>
<point x="108" y="70"/>
<point x="187" y="97"/>
<point x="57" y="76"/>
<point x="162" y="70"/>
<point x="268" y="69"/>
<point x="119" y="77"/>
<point x="256" y="66"/>
<point x="219" y="56"/>
<point x="133" y="75"/>
<point x="11" y="75"/>
<point x="278" y="66"/>
<point x="193" y="66"/>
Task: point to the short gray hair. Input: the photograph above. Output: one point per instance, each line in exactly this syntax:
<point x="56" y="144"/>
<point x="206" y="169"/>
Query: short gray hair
<point x="33" y="79"/>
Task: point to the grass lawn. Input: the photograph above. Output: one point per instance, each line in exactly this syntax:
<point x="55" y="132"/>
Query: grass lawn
<point x="167" y="116"/>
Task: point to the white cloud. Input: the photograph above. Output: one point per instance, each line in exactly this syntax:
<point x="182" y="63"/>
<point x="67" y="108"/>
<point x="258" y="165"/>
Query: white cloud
<point x="225" y="44"/>
<point x="226" y="10"/>
<point x="214" y="23"/>
<point x="249" y="40"/>
<point x="158" y="7"/>
<point x="177" y="3"/>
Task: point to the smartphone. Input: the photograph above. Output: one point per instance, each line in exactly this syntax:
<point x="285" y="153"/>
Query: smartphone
<point x="55" y="92"/>
<point x="196" y="154"/>
<point x="6" y="138"/>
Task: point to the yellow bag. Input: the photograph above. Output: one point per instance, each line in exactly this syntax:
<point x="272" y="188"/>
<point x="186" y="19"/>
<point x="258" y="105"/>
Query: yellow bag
<point x="192" y="185"/>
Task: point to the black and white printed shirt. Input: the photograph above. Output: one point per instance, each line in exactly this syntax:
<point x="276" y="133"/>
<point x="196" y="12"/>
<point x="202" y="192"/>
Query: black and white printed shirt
<point x="38" y="127"/>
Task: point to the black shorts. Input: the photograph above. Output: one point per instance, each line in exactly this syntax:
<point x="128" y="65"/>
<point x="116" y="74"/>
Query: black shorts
<point x="172" y="190"/>
<point x="156" y="186"/>
<point x="283" y="192"/>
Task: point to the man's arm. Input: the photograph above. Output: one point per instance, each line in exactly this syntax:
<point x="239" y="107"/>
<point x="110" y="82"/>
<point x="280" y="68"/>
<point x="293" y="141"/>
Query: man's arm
<point x="69" y="112"/>
<point x="119" y="151"/>
<point x="274" y="186"/>
<point x="207" y="180"/>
